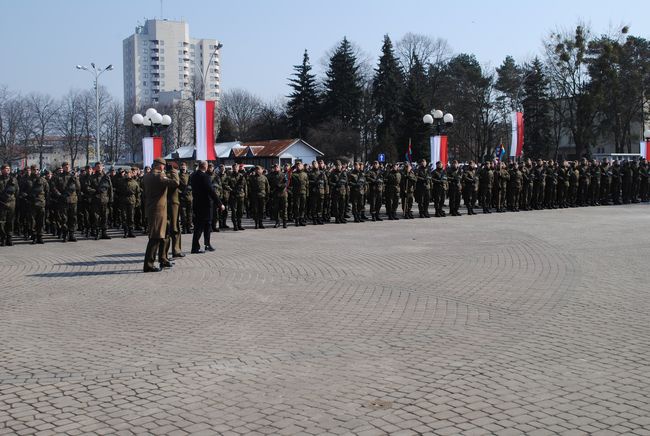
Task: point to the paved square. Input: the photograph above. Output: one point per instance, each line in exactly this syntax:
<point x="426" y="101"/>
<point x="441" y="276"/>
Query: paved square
<point x="529" y="323"/>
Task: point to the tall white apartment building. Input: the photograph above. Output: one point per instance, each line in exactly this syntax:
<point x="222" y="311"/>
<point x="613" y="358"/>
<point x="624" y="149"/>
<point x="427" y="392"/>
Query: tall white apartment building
<point x="163" y="63"/>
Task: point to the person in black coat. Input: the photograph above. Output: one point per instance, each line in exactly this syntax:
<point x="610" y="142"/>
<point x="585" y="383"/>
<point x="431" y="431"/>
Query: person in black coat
<point x="204" y="196"/>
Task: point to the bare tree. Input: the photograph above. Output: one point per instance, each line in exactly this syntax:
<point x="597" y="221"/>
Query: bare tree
<point x="12" y="124"/>
<point x="114" y="131"/>
<point x="427" y="49"/>
<point x="44" y="109"/>
<point x="242" y="109"/>
<point x="72" y="124"/>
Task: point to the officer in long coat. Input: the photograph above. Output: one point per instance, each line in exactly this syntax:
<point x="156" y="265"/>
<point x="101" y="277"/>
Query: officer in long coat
<point x="156" y="184"/>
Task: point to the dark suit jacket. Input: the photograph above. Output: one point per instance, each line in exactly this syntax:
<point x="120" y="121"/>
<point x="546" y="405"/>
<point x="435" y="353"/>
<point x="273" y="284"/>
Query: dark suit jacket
<point x="203" y="196"/>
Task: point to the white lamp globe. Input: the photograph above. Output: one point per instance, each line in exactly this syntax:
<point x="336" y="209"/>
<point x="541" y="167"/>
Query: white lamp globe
<point x="150" y="112"/>
<point x="437" y="114"/>
<point x="137" y="119"/>
<point x="448" y="119"/>
<point x="156" y="118"/>
<point x="646" y="134"/>
<point x="146" y="122"/>
<point x="166" y="120"/>
<point x="427" y="119"/>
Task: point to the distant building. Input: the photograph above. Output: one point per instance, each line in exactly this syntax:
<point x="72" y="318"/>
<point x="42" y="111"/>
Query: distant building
<point x="55" y="151"/>
<point x="163" y="63"/>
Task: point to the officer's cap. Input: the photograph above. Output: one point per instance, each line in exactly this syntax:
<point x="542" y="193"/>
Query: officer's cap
<point x="159" y="161"/>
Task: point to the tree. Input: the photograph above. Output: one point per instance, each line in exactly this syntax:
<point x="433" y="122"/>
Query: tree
<point x="12" y="117"/>
<point x="241" y="108"/>
<point x="72" y="124"/>
<point x="303" y="107"/>
<point x="509" y="82"/>
<point x="567" y="65"/>
<point x="537" y="112"/>
<point x="272" y="122"/>
<point x="114" y="131"/>
<point x="412" y="109"/>
<point x="344" y="92"/>
<point x="387" y="86"/>
<point x="429" y="51"/>
<point x="44" y="109"/>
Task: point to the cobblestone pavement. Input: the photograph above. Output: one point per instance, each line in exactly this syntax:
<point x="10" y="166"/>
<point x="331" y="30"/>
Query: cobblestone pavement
<point x="532" y="323"/>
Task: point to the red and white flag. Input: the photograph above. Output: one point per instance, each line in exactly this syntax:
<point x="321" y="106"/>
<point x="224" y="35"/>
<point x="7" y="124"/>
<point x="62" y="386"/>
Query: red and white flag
<point x="205" y="130"/>
<point x="643" y="149"/>
<point x="517" y="144"/>
<point x="151" y="149"/>
<point x="439" y="149"/>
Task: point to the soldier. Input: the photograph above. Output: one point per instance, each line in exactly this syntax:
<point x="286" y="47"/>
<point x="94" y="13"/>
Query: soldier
<point x="299" y="187"/>
<point x="278" y="181"/>
<point x="101" y="192"/>
<point x="138" y="218"/>
<point x="260" y="191"/>
<point x="563" y="184"/>
<point x="237" y="184"/>
<point x="486" y="180"/>
<point x="185" y="198"/>
<point x="156" y="184"/>
<point x="550" y="186"/>
<point x="84" y="200"/>
<point x="527" y="187"/>
<point x="454" y="177"/>
<point x="594" y="185"/>
<point x="327" y="199"/>
<point x="515" y="185"/>
<point x="225" y="196"/>
<point x="605" y="182"/>
<point x="644" y="181"/>
<point x="68" y="186"/>
<point x="375" y="180"/>
<point x="173" y="238"/>
<point x="38" y="192"/>
<point x="409" y="182"/>
<point x="439" y="183"/>
<point x="539" y="184"/>
<point x="338" y="181"/>
<point x="504" y="178"/>
<point x="636" y="179"/>
<point x="317" y="182"/>
<point x="357" y="182"/>
<point x="129" y="200"/>
<point x="626" y="181"/>
<point x="583" y="183"/>
<point x="574" y="184"/>
<point x="469" y="187"/>
<point x="423" y="189"/>
<point x="393" y="182"/>
<point x="9" y="191"/>
<point x="615" y="186"/>
<point x="51" y="207"/>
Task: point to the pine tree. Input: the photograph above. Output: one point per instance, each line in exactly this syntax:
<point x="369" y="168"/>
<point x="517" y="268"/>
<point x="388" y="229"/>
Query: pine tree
<point x="387" y="86"/>
<point x="509" y="81"/>
<point x="304" y="101"/>
<point x="343" y="90"/>
<point x="537" y="112"/>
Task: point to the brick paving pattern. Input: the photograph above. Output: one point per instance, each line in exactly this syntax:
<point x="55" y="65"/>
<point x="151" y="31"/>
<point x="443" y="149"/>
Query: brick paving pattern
<point x="533" y="323"/>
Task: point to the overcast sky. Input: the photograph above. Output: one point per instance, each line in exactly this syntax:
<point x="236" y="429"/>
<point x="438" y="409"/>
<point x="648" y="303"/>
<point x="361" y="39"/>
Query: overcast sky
<point x="43" y="40"/>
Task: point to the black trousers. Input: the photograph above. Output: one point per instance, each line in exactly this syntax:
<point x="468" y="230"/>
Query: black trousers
<point x="201" y="227"/>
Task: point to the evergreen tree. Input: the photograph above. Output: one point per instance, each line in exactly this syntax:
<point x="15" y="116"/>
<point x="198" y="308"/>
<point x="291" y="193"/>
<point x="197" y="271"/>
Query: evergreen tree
<point x="343" y="90"/>
<point x="412" y="107"/>
<point x="386" y="89"/>
<point x="304" y="102"/>
<point x="509" y="78"/>
<point x="537" y="112"/>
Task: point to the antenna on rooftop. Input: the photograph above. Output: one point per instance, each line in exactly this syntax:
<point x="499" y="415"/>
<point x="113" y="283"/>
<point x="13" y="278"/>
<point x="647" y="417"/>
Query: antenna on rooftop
<point x="161" y="10"/>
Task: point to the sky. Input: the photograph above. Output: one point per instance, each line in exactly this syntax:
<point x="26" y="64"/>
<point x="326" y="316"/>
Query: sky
<point x="42" y="40"/>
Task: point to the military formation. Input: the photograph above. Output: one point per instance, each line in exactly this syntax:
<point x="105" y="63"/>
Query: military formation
<point x="90" y="201"/>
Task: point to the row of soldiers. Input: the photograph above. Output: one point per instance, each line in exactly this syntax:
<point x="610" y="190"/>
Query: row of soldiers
<point x="64" y="202"/>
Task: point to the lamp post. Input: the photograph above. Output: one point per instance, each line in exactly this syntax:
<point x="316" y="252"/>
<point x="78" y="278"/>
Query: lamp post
<point x="440" y="123"/>
<point x="152" y="120"/>
<point x="96" y="72"/>
<point x="205" y="73"/>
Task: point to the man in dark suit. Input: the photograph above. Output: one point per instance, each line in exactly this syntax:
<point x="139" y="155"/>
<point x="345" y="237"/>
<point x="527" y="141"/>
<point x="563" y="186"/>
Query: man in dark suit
<point x="203" y="199"/>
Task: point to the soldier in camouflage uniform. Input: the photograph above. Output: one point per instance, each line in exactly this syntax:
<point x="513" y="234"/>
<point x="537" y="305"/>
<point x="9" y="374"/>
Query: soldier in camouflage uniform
<point x="9" y="192"/>
<point x="299" y="188"/>
<point x="68" y="186"/>
<point x="423" y="189"/>
<point x="129" y="200"/>
<point x="327" y="199"/>
<point x="605" y="182"/>
<point x="563" y="184"/>
<point x="357" y="184"/>
<point x="583" y="183"/>
<point x="486" y="180"/>
<point x="504" y="179"/>
<point x="238" y="190"/>
<point x="454" y="176"/>
<point x="515" y="186"/>
<point x="407" y="190"/>
<point x="375" y="179"/>
<point x="644" y="181"/>
<point x="616" y="182"/>
<point x="259" y="192"/>
<point x="185" y="198"/>
<point x="338" y="181"/>
<point x="278" y="181"/>
<point x="439" y="183"/>
<point x="469" y="187"/>
<point x="550" y="186"/>
<point x="38" y="192"/>
<point x="317" y="183"/>
<point x="393" y="183"/>
<point x="101" y="193"/>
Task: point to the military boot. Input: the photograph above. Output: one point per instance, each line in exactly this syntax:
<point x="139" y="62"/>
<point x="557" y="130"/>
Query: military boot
<point x="239" y="226"/>
<point x="71" y="236"/>
<point x="104" y="235"/>
<point x="277" y="224"/>
<point x="284" y="224"/>
<point x="262" y="225"/>
<point x="9" y="242"/>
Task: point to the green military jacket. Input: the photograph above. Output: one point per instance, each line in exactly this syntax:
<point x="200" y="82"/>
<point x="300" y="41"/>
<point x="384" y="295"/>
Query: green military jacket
<point x="357" y="182"/>
<point x="375" y="180"/>
<point x="69" y="187"/>
<point x="184" y="187"/>
<point x="409" y="180"/>
<point x="238" y="185"/>
<point x="299" y="182"/>
<point x="9" y="191"/>
<point x="393" y="182"/>
<point x="278" y="183"/>
<point x="39" y="190"/>
<point x="102" y="188"/>
<point x="260" y="187"/>
<point x="439" y="179"/>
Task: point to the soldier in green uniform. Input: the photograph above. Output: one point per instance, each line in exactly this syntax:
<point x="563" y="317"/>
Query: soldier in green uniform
<point x="469" y="187"/>
<point x="594" y="186"/>
<point x="486" y="180"/>
<point x="338" y="181"/>
<point x="9" y="191"/>
<point x="357" y="184"/>
<point x="299" y="187"/>
<point x="423" y="189"/>
<point x="504" y="179"/>
<point x="393" y="183"/>
<point x="375" y="180"/>
<point x="185" y="198"/>
<point x="527" y="188"/>
<point x="407" y="190"/>
<point x="439" y="183"/>
<point x="101" y="191"/>
<point x="539" y="184"/>
<point x="644" y="181"/>
<point x="317" y="182"/>
<point x="583" y="183"/>
<point x="327" y="199"/>
<point x="38" y="191"/>
<point x="605" y="182"/>
<point x="278" y="181"/>
<point x="68" y="186"/>
<point x="454" y="177"/>
<point x="23" y="214"/>
<point x="260" y="190"/>
<point x="563" y="184"/>
<point x="574" y="183"/>
<point x="636" y="179"/>
<point x="515" y="185"/>
<point x="238" y="191"/>
<point x="616" y="182"/>
<point x="551" y="186"/>
<point x="224" y="174"/>
<point x="129" y="200"/>
<point x="173" y="209"/>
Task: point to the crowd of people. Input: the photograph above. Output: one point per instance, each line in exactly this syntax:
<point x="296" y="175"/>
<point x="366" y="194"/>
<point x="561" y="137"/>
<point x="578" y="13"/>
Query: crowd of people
<point x="90" y="201"/>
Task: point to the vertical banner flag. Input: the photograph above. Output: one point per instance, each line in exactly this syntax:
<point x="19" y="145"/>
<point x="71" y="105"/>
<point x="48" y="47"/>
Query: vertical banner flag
<point x="151" y="149"/>
<point x="204" y="115"/>
<point x="439" y="149"/>
<point x="643" y="149"/>
<point x="517" y="144"/>
<point x="409" y="153"/>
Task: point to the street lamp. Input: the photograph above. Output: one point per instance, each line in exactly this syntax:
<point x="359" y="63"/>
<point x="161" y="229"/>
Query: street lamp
<point x="152" y="120"/>
<point x="439" y="121"/>
<point x="218" y="47"/>
<point x="646" y="134"/>
<point x="96" y="72"/>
